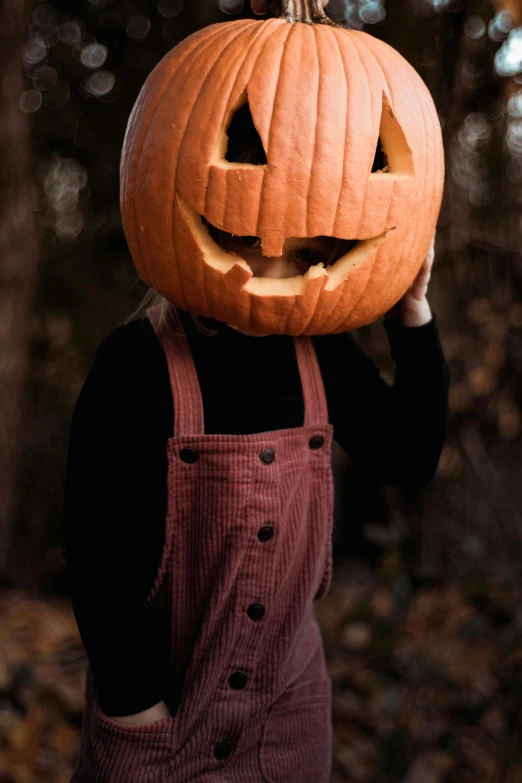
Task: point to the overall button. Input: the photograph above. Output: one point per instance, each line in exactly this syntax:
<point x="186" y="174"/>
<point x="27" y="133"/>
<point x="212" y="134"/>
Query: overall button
<point x="237" y="680"/>
<point x="222" y="750"/>
<point x="316" y="442"/>
<point x="267" y="456"/>
<point x="256" y="611"/>
<point x="266" y="532"/>
<point x="188" y="455"/>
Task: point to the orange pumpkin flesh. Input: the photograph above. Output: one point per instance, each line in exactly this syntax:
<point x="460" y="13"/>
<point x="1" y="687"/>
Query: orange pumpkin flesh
<point x="320" y="97"/>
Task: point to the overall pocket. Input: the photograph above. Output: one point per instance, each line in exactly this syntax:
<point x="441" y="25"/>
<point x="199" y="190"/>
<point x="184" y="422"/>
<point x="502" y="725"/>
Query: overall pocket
<point x="115" y="753"/>
<point x="296" y="742"/>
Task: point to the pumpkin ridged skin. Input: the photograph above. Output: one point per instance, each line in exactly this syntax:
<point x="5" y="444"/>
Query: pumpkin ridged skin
<point x="316" y="97"/>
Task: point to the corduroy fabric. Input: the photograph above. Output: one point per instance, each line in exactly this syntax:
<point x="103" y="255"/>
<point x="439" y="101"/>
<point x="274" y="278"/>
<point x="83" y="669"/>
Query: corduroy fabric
<point x="214" y="568"/>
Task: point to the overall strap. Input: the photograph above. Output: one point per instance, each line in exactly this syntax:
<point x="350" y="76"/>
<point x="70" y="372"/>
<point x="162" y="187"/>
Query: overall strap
<point x="184" y="384"/>
<point x="315" y="404"/>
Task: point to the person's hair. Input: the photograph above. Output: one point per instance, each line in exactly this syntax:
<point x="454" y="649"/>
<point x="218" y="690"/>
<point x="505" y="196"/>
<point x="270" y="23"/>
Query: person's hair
<point x="151" y="299"/>
<point x="154" y="299"/>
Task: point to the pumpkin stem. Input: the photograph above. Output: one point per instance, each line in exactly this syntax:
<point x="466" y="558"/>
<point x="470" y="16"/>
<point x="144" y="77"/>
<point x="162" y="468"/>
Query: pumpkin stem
<point x="307" y="11"/>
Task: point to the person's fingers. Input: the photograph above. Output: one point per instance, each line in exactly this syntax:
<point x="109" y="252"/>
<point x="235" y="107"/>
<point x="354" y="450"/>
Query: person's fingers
<point x="430" y="257"/>
<point x="426" y="267"/>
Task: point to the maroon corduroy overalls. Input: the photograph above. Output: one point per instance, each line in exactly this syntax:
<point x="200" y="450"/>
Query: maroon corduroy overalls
<point x="247" y="552"/>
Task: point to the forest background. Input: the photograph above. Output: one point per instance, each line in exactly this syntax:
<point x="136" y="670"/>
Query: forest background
<point x="423" y="622"/>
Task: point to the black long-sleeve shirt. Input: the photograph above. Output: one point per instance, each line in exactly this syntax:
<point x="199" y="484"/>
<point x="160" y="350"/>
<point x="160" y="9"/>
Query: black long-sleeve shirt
<point x="116" y="493"/>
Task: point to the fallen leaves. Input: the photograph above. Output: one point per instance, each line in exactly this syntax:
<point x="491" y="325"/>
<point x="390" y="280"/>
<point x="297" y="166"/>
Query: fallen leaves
<point x="420" y="682"/>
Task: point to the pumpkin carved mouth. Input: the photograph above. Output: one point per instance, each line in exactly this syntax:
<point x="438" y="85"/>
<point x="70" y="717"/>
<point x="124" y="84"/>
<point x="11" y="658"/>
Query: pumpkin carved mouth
<point x="298" y="254"/>
<point x="358" y="251"/>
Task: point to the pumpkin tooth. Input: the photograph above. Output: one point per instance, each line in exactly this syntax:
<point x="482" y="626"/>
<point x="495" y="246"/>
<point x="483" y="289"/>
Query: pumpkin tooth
<point x="239" y="274"/>
<point x="272" y="243"/>
<point x="312" y="274"/>
<point x="315" y="271"/>
<point x="354" y="258"/>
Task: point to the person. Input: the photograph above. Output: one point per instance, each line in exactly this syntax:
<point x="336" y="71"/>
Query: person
<point x="198" y="517"/>
<point x="131" y="524"/>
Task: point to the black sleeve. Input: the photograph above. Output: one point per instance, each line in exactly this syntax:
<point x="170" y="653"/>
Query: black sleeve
<point x="397" y="431"/>
<point x="107" y="448"/>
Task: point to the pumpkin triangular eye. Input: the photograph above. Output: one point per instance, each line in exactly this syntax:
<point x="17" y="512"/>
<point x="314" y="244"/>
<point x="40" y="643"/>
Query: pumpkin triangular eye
<point x="393" y="153"/>
<point x="380" y="161"/>
<point x="244" y="142"/>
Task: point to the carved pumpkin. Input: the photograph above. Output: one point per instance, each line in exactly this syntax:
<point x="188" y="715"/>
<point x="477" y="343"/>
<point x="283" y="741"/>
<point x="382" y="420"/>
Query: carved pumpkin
<point x="348" y="146"/>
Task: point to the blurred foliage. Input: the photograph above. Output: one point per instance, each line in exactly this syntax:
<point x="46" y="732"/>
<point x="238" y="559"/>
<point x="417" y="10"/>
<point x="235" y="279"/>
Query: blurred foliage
<point x="85" y="63"/>
<point x="426" y="682"/>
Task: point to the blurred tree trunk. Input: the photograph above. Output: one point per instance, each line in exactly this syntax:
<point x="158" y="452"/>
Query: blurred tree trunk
<point x="18" y="264"/>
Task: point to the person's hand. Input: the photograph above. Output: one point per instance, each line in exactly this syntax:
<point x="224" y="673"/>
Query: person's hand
<point x="150" y="715"/>
<point x="259" y="7"/>
<point x="413" y="309"/>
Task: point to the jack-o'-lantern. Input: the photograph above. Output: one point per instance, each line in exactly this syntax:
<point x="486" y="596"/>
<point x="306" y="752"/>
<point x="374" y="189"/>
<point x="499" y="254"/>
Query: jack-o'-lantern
<point x="347" y="145"/>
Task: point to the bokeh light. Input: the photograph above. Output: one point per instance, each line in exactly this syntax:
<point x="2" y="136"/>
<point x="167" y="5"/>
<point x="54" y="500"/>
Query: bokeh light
<point x="371" y="12"/>
<point x="44" y="78"/>
<point x="172" y="8"/>
<point x="500" y="26"/>
<point x="69" y="225"/>
<point x="337" y="10"/>
<point x="138" y="27"/>
<point x="30" y="101"/>
<point x="34" y="52"/>
<point x="62" y="180"/>
<point x="230" y="6"/>
<point x="44" y="15"/>
<point x="94" y="55"/>
<point x="70" y="33"/>
<point x="513" y="138"/>
<point x="474" y="27"/>
<point x="514" y="105"/>
<point x="100" y="83"/>
<point x="468" y="165"/>
<point x="508" y="59"/>
<point x="50" y="34"/>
